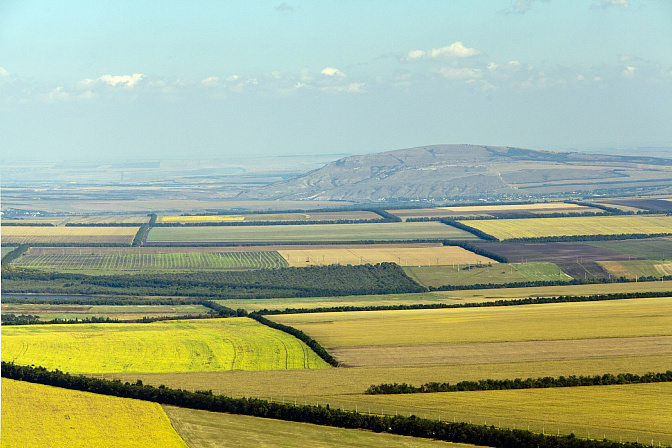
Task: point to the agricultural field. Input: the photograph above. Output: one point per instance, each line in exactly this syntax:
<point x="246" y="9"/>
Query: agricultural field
<point x="485" y="273"/>
<point x="360" y="254"/>
<point x="649" y="204"/>
<point x="5" y="250"/>
<point x="493" y="210"/>
<point x="638" y="268"/>
<point x="446" y="297"/>
<point x="55" y="235"/>
<point x="121" y="312"/>
<point x="308" y="232"/>
<point x="272" y="217"/>
<point x="144" y="262"/>
<point x="62" y="221"/>
<point x="522" y="252"/>
<point x="167" y="346"/>
<point x="207" y="429"/>
<point x="649" y="248"/>
<point x="504" y="229"/>
<point x="38" y="415"/>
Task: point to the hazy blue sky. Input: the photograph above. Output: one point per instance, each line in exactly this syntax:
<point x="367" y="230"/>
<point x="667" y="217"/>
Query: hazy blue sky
<point x="167" y="79"/>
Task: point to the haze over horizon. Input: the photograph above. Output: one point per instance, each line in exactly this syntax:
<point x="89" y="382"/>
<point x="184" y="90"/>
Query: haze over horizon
<point x="207" y="79"/>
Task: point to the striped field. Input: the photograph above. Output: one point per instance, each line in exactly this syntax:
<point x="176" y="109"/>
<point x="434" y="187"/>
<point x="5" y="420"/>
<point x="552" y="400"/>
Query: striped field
<point x="51" y="235"/>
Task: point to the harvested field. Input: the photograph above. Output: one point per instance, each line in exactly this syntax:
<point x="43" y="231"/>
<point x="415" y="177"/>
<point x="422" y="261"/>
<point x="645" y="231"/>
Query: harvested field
<point x="208" y="429"/>
<point x="168" y="346"/>
<point x="121" y="312"/>
<point x="35" y="415"/>
<point x="619" y="412"/>
<point x="591" y="225"/>
<point x="547" y="322"/>
<point x="649" y="248"/>
<point x="638" y="268"/>
<point x="493" y="210"/>
<point x="650" y="204"/>
<point x="308" y="233"/>
<point x="274" y="217"/>
<point x="501" y="352"/>
<point x="447" y="297"/>
<point x="485" y="274"/>
<point x="584" y="270"/>
<point x="62" y="221"/>
<point x="404" y="256"/>
<point x="86" y="235"/>
<point x="181" y="261"/>
<point x="520" y="252"/>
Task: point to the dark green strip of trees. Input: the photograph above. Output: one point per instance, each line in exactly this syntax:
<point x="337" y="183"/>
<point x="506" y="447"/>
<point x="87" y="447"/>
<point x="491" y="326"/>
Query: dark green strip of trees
<point x="28" y="224"/>
<point x="531" y="383"/>
<point x="480" y="234"/>
<point x="409" y="426"/>
<point x="13" y="255"/>
<point x="477" y="250"/>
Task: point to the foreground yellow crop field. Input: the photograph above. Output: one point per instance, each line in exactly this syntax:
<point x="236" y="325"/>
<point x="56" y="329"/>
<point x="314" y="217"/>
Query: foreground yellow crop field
<point x="34" y="415"/>
<point x="404" y="256"/>
<point x="88" y="235"/>
<point x="504" y="229"/>
<point x="168" y="346"/>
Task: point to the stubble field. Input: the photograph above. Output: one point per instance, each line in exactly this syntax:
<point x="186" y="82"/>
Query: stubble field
<point x="50" y="235"/>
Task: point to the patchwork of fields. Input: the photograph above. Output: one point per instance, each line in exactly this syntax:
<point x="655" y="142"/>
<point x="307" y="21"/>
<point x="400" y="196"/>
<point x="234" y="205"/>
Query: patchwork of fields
<point x="493" y="210"/>
<point x="168" y="346"/>
<point x="67" y="235"/>
<point x="273" y="217"/>
<point x="504" y="229"/>
<point x="120" y="312"/>
<point x="34" y="415"/>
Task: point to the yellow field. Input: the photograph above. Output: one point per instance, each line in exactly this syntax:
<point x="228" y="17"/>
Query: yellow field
<point x="200" y="218"/>
<point x="404" y="256"/>
<point x="29" y="234"/>
<point x="548" y="322"/>
<point x="168" y="346"/>
<point x="504" y="229"/>
<point x="34" y="415"/>
<point x="484" y="210"/>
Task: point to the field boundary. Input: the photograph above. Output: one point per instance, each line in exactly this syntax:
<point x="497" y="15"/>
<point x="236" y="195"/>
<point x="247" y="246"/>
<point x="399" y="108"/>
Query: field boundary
<point x="410" y="426"/>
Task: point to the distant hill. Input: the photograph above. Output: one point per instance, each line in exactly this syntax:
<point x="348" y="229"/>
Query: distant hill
<point x="463" y="172"/>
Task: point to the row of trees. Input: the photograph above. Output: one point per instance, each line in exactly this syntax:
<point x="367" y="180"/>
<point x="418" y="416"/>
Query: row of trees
<point x="409" y="426"/>
<point x="529" y="383"/>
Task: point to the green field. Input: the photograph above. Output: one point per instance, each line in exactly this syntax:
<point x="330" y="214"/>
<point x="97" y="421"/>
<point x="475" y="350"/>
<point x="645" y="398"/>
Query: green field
<point x="209" y="429"/>
<point x="121" y="312"/>
<point x="184" y="261"/>
<point x="650" y="248"/>
<point x="5" y="250"/>
<point x="168" y="346"/>
<point x="638" y="268"/>
<point x="310" y="232"/>
<point x="35" y="415"/>
<point x="498" y="273"/>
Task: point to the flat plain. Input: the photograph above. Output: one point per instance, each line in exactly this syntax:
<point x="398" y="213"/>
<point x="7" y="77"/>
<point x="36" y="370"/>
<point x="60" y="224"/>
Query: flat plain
<point x="86" y="235"/>
<point x="35" y="415"/>
<point x="493" y="210"/>
<point x="308" y="232"/>
<point x="649" y="248"/>
<point x="504" y="229"/>
<point x="273" y="217"/>
<point x="638" y="268"/>
<point x="168" y="346"/>
<point x="121" y="312"/>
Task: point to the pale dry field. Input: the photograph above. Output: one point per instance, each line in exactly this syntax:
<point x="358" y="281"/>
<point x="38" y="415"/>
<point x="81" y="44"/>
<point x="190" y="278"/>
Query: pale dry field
<point x="29" y="234"/>
<point x="485" y="210"/>
<point x="404" y="256"/>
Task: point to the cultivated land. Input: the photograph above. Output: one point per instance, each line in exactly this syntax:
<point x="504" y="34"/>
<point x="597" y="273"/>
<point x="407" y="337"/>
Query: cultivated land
<point x="119" y="263"/>
<point x="493" y="210"/>
<point x="62" y="221"/>
<point x="485" y="273"/>
<point x="86" y="235"/>
<point x="5" y="250"/>
<point x="309" y="232"/>
<point x="591" y="225"/>
<point x="522" y="252"/>
<point x="649" y="248"/>
<point x="205" y="429"/>
<point x="168" y="346"/>
<point x="121" y="312"/>
<point x="638" y="268"/>
<point x="34" y="415"/>
<point x="270" y="217"/>
<point x="404" y="256"/>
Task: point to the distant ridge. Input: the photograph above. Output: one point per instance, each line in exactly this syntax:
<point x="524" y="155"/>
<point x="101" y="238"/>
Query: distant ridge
<point x="441" y="173"/>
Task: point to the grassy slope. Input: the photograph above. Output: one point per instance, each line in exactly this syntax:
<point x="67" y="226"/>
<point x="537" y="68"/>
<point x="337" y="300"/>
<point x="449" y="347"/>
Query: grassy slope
<point x="34" y="415"/>
<point x="169" y="346"/>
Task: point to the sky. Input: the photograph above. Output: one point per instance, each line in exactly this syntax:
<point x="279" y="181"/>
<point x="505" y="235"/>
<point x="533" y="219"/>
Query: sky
<point x="200" y="79"/>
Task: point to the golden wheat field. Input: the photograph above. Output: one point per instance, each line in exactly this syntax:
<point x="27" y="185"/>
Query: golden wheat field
<point x="504" y="229"/>
<point x="48" y="235"/>
<point x="404" y="256"/>
<point x="35" y="415"/>
<point x="484" y="210"/>
<point x="169" y="346"/>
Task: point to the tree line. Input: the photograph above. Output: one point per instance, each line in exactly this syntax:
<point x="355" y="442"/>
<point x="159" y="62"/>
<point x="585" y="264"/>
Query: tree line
<point x="321" y="415"/>
<point x="530" y="383"/>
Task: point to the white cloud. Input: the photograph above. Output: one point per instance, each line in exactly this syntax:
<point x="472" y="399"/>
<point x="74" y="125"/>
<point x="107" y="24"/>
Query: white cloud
<point x="454" y="50"/>
<point x="609" y="3"/>
<point x="354" y="87"/>
<point x="306" y="75"/>
<point x="460" y="73"/>
<point x="629" y="72"/>
<point x="415" y="54"/>
<point x="597" y="79"/>
<point x="492" y="66"/>
<point x="330" y="71"/>
<point x="128" y="81"/>
<point x="210" y="81"/>
<point x="579" y="77"/>
<point x="58" y="94"/>
<point x="233" y="78"/>
<point x="3" y="72"/>
<point x="298" y="85"/>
